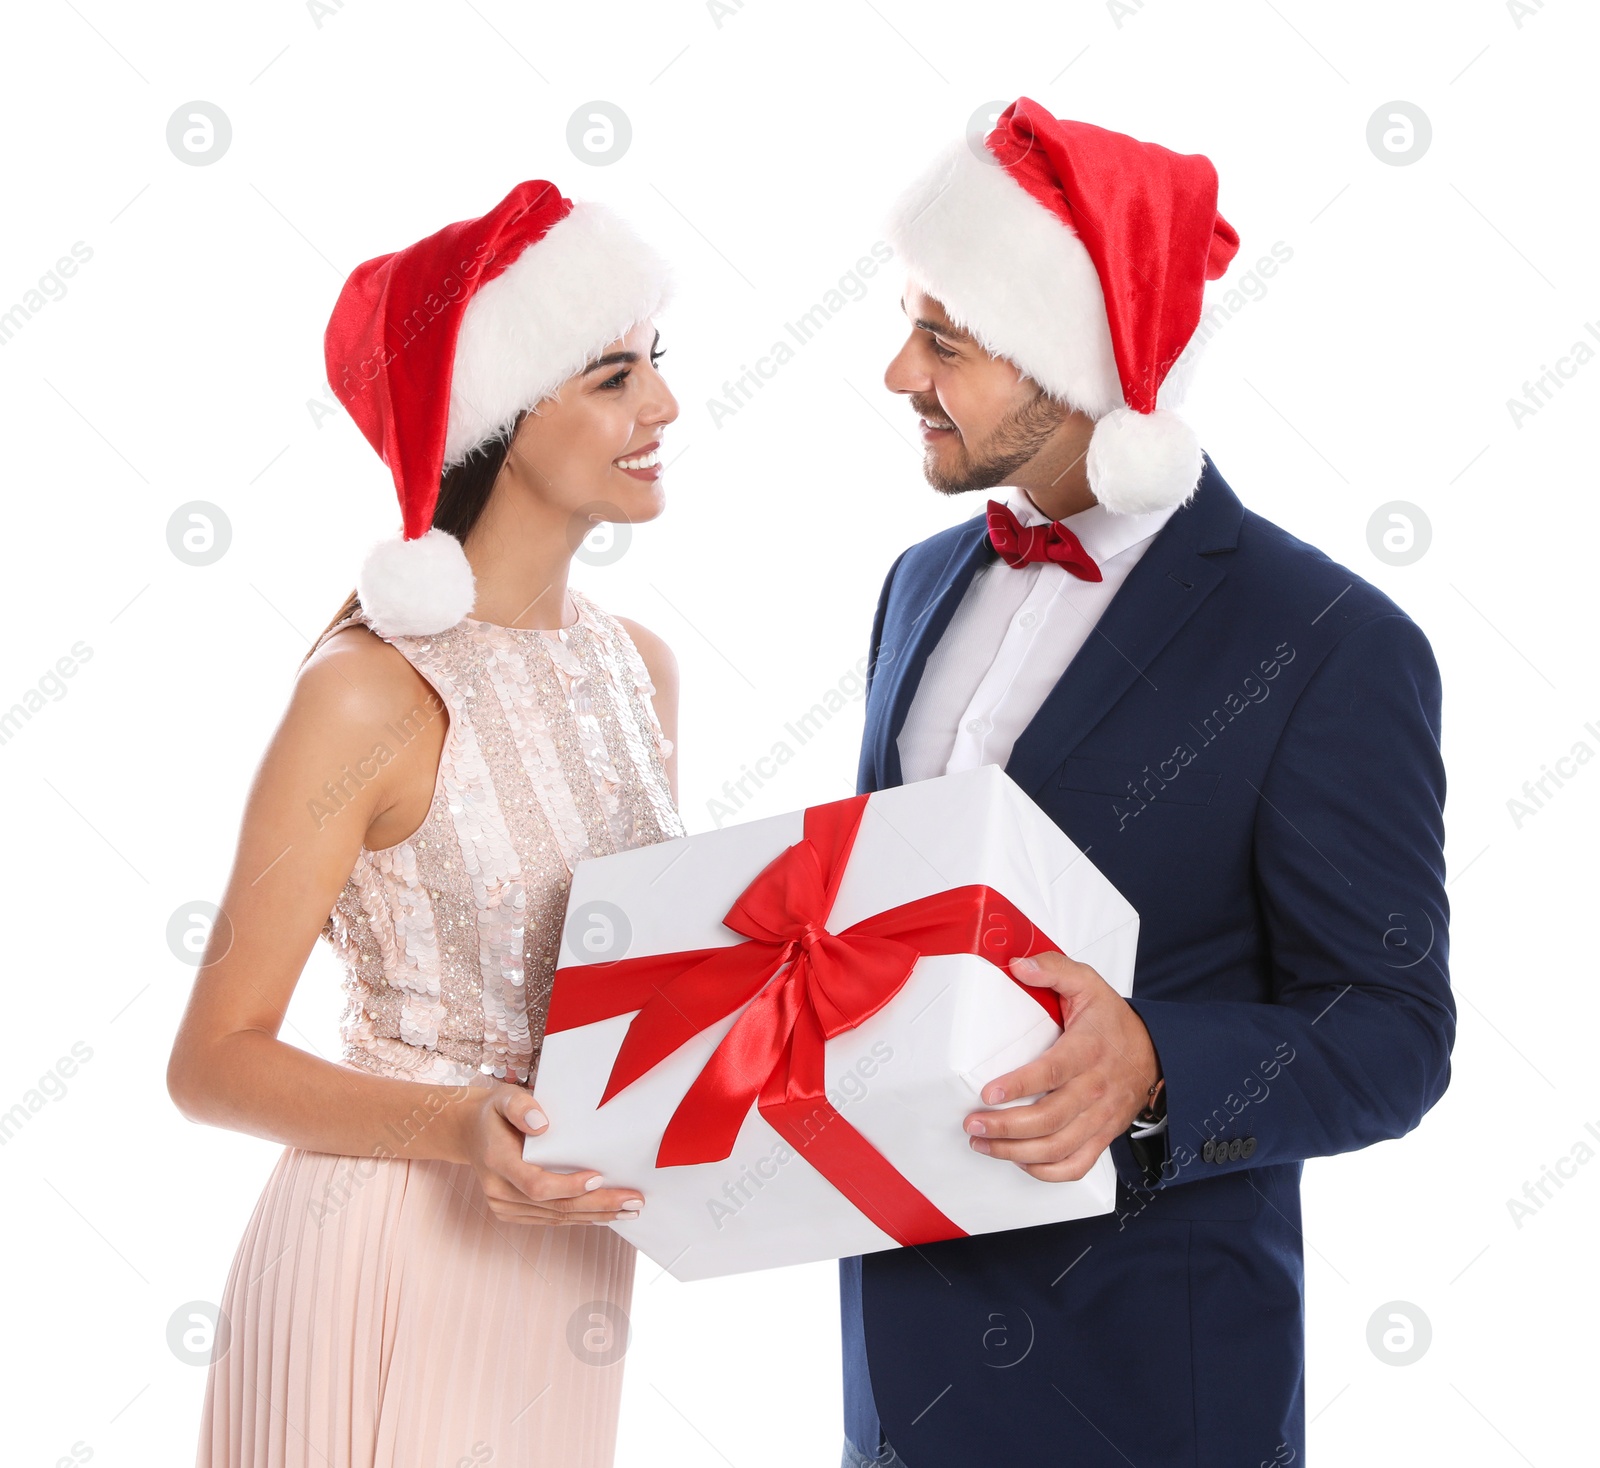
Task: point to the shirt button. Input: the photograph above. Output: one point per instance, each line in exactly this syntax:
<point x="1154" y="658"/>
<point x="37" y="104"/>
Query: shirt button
<point x="1027" y="619"/>
<point x="974" y="726"/>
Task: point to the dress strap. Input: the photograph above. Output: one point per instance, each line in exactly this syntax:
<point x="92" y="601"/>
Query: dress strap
<point x="615" y="635"/>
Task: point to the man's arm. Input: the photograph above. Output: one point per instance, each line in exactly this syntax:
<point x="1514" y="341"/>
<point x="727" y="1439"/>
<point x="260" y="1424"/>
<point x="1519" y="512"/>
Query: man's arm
<point x="1354" y="1045"/>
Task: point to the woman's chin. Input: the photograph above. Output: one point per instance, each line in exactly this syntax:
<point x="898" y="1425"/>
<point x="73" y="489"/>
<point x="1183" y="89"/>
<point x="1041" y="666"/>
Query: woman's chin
<point x="639" y="500"/>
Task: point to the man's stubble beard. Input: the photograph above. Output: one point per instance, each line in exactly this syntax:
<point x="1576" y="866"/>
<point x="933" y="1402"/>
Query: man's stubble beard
<point x="1016" y="440"/>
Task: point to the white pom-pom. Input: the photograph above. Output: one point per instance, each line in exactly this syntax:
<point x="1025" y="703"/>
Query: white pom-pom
<point x="410" y="588"/>
<point x="1140" y="462"/>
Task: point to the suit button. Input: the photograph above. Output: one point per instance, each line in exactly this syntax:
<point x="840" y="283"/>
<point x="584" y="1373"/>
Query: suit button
<point x="1235" y="1149"/>
<point x="1248" y="1148"/>
<point x="1209" y="1150"/>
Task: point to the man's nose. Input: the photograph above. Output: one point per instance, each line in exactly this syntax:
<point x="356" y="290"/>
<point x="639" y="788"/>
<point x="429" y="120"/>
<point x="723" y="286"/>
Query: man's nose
<point x="902" y="376"/>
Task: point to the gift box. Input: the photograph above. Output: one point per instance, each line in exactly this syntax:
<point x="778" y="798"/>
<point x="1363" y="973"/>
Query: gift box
<point x="776" y="1030"/>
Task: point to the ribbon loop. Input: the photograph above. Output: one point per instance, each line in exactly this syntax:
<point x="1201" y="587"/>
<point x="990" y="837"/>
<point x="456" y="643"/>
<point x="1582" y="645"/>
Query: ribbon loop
<point x="788" y="897"/>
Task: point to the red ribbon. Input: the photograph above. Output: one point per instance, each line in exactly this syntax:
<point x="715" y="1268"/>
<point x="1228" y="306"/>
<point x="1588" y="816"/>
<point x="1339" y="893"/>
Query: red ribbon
<point x="801" y="986"/>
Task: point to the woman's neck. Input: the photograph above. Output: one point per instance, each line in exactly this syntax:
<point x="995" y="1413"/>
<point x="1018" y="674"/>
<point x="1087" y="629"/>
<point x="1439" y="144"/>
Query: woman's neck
<point x="520" y="554"/>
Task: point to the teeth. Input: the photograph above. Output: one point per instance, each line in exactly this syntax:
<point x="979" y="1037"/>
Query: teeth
<point x="929" y="423"/>
<point x="644" y="461"/>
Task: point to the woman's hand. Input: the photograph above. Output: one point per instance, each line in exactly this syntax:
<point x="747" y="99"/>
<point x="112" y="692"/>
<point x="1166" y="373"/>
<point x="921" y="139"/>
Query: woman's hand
<point x="492" y="1129"/>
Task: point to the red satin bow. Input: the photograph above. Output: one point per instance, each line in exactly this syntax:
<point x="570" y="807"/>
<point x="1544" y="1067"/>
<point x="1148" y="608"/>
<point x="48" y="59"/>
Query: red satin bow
<point x="1019" y="544"/>
<point x="800" y="986"/>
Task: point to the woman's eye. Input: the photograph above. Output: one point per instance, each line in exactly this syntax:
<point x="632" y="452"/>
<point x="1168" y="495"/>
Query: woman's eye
<point x="656" y="356"/>
<point x="617" y="381"/>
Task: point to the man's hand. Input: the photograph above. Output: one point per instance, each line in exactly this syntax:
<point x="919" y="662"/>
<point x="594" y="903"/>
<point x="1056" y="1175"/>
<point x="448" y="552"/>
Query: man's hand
<point x="1091" y="1083"/>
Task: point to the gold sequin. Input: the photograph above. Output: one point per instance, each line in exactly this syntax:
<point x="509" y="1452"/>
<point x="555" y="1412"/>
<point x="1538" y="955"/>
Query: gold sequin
<point x="449" y="940"/>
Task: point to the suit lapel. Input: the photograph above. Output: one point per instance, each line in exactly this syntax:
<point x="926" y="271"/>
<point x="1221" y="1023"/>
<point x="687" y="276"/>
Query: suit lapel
<point x="1174" y="576"/>
<point x="901" y="666"/>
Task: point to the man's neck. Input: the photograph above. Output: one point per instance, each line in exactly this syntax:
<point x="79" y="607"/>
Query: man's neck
<point x="1056" y="479"/>
<point x="1057" y="501"/>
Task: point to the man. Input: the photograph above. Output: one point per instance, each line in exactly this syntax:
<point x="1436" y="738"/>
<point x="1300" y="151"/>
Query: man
<point x="1241" y="734"/>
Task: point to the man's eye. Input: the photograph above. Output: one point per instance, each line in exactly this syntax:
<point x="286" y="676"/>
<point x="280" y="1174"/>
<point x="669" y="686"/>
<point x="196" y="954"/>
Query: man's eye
<point x="941" y="350"/>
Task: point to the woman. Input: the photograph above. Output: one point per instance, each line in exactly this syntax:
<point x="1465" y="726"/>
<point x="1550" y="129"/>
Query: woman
<point x="409" y="1291"/>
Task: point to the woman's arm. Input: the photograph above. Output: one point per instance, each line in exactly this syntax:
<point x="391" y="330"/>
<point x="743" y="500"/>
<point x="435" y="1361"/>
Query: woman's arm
<point x="662" y="667"/>
<point x="331" y="776"/>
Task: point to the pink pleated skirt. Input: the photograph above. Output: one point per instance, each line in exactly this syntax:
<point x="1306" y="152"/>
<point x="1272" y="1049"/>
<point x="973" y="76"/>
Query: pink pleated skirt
<point x="378" y="1315"/>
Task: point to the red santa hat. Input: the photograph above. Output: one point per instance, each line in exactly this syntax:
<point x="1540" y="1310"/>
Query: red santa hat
<point x="436" y="349"/>
<point x="1081" y="255"/>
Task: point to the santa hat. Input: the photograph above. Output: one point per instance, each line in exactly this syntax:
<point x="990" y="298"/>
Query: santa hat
<point x="1080" y="255"/>
<point x="436" y="349"/>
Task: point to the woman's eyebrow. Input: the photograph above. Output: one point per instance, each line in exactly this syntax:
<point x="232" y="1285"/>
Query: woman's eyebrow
<point x="611" y="359"/>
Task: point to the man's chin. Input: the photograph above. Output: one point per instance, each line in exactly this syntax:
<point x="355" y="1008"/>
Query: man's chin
<point x="952" y="478"/>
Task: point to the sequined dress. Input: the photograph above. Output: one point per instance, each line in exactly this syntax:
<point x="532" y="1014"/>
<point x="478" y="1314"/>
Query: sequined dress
<point x="377" y="1313"/>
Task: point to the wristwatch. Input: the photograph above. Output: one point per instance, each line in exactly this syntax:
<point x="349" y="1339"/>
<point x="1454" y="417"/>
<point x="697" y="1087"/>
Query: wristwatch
<point x="1152" y="1119"/>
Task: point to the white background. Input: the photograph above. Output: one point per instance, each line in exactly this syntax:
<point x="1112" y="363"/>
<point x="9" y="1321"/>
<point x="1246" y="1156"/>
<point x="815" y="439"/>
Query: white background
<point x="179" y="366"/>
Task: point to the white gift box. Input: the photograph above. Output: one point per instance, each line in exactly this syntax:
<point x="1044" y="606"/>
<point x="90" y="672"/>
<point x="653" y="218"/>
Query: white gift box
<point x="904" y="1079"/>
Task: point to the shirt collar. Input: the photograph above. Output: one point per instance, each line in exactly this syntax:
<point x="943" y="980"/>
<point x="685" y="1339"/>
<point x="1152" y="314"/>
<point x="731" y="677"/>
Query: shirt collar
<point x="1101" y="533"/>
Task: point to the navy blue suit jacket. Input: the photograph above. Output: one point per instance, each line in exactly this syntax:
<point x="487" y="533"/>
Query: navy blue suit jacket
<point x="1248" y="747"/>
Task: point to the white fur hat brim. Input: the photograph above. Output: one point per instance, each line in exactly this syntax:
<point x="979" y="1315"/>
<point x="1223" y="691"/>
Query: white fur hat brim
<point x="588" y="281"/>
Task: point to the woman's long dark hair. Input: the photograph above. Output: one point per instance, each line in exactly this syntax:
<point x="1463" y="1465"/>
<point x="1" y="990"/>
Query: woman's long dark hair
<point x="463" y="492"/>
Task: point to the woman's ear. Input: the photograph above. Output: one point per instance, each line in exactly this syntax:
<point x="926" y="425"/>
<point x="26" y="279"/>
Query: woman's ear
<point x="516" y="463"/>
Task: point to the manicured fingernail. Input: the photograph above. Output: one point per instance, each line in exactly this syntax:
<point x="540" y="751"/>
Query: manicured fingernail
<point x="976" y="1127"/>
<point x="593" y="1183"/>
<point x="535" y="1120"/>
<point x="633" y="1214"/>
<point x="633" y="1203"/>
<point x="979" y="1145"/>
<point x="1027" y="965"/>
<point x="994" y="1094"/>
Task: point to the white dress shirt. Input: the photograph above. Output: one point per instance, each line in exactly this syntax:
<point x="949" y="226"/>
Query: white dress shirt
<point x="1010" y="640"/>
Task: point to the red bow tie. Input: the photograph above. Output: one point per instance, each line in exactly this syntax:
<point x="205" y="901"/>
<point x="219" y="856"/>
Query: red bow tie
<point x="1020" y="544"/>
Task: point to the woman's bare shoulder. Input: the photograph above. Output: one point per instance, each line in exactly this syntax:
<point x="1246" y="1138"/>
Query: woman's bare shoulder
<point x="357" y="681"/>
